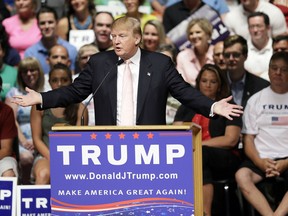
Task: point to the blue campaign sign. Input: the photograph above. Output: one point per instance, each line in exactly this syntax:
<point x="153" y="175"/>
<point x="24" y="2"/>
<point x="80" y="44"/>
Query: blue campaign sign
<point x="122" y="173"/>
<point x="8" y="196"/>
<point x="33" y="200"/>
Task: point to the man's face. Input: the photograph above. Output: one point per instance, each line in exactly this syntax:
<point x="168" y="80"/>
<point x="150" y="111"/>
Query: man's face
<point x="47" y="24"/>
<point x="102" y="29"/>
<point x="218" y="55"/>
<point x="278" y="75"/>
<point x="281" y="45"/>
<point x="125" y="42"/>
<point x="58" y="55"/>
<point x="257" y="29"/>
<point x="234" y="58"/>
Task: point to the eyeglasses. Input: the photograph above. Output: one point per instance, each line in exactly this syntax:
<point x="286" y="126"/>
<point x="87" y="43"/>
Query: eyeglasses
<point x="234" y="54"/>
<point x="275" y="69"/>
<point x="32" y="71"/>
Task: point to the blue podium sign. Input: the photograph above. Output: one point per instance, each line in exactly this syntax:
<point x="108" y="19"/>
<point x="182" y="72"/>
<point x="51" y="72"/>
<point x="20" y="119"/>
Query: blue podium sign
<point x="121" y="173"/>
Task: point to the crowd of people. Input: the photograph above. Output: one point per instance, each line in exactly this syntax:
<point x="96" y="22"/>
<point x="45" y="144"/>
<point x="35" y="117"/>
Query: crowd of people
<point x="196" y="51"/>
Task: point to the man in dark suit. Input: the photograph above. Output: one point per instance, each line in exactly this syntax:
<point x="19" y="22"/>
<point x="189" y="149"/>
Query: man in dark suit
<point x="242" y="83"/>
<point x="153" y="74"/>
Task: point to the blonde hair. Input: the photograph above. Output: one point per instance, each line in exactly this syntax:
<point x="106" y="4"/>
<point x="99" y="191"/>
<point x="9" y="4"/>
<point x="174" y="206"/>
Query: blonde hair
<point x="160" y="30"/>
<point x="203" y="23"/>
<point x="29" y="63"/>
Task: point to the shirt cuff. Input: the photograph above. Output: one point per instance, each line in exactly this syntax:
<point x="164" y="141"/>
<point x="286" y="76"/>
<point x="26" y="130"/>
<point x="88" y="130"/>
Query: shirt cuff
<point x="211" y="114"/>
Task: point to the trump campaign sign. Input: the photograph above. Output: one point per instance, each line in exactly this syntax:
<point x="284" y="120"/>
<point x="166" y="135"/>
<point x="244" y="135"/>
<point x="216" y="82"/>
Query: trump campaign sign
<point x="8" y="196"/>
<point x="123" y="172"/>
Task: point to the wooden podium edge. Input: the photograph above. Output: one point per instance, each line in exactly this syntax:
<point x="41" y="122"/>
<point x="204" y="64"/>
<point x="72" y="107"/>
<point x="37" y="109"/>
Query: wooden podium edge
<point x="197" y="150"/>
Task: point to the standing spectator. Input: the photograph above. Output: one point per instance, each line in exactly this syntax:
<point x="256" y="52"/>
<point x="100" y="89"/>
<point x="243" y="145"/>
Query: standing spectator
<point x="132" y="7"/>
<point x="8" y="134"/>
<point x="11" y="56"/>
<point x="218" y="57"/>
<point x="191" y="60"/>
<point x="236" y="19"/>
<point x="47" y="21"/>
<point x="102" y="29"/>
<point x="7" y="72"/>
<point x="42" y="122"/>
<point x="265" y="130"/>
<point x="84" y="54"/>
<point x="259" y="45"/>
<point x="280" y="43"/>
<point x="153" y="35"/>
<point x="80" y="17"/>
<point x="29" y="75"/>
<point x="242" y="83"/>
<point x="220" y="136"/>
<point x="22" y="28"/>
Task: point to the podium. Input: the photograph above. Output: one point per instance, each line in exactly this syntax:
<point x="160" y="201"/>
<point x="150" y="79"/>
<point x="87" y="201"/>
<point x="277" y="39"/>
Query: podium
<point x="139" y="170"/>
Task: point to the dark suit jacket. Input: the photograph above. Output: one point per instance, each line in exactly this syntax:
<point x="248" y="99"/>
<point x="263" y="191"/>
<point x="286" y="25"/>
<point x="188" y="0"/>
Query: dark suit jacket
<point x="157" y="77"/>
<point x="253" y="84"/>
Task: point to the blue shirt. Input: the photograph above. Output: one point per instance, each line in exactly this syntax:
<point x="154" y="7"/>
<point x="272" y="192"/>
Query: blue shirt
<point x="41" y="53"/>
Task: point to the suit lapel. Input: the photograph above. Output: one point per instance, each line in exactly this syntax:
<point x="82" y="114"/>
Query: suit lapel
<point x="145" y="76"/>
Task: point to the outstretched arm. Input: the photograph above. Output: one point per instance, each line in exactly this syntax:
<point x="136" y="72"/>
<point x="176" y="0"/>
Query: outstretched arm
<point x="226" y="109"/>
<point x="31" y="98"/>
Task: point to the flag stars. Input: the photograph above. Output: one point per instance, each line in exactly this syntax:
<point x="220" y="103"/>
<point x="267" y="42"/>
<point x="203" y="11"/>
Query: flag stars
<point x="93" y="136"/>
<point x="121" y="136"/>
<point x="136" y="135"/>
<point x="150" y="135"/>
<point x="108" y="136"/>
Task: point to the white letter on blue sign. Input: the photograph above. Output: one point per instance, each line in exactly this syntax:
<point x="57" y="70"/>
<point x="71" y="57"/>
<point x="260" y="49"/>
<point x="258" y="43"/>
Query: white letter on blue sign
<point x="4" y="194"/>
<point x="174" y="151"/>
<point x="153" y="153"/>
<point x="90" y="152"/>
<point x="66" y="149"/>
<point x="41" y="202"/>
<point x="111" y="155"/>
<point x="27" y="202"/>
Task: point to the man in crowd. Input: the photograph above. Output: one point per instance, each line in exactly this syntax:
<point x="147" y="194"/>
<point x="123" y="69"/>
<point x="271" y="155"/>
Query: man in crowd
<point x="47" y="21"/>
<point x="280" y="43"/>
<point x="218" y="57"/>
<point x="265" y="128"/>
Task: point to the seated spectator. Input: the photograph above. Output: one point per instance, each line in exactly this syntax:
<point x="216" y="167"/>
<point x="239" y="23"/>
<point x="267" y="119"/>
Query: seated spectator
<point x="280" y="43"/>
<point x="29" y="75"/>
<point x="22" y="28"/>
<point x="83" y="56"/>
<point x="132" y="8"/>
<point x="102" y="29"/>
<point x="11" y="56"/>
<point x="242" y="83"/>
<point x="169" y="50"/>
<point x="80" y="17"/>
<point x="47" y="20"/>
<point x="42" y="122"/>
<point x="236" y="19"/>
<point x="8" y="133"/>
<point x="265" y="122"/>
<point x="7" y="72"/>
<point x="153" y="35"/>
<point x="259" y="45"/>
<point x="191" y="60"/>
<point x="220" y="136"/>
<point x="218" y="57"/>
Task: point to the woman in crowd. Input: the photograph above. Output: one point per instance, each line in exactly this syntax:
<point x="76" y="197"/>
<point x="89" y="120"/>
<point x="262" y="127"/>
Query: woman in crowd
<point x="220" y="136"/>
<point x="132" y="7"/>
<point x="22" y="28"/>
<point x="80" y="17"/>
<point x="29" y="75"/>
<point x="153" y="35"/>
<point x="191" y="60"/>
<point x="42" y="122"/>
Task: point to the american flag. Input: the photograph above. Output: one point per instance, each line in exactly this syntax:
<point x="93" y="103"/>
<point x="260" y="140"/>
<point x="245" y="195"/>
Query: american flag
<point x="279" y="120"/>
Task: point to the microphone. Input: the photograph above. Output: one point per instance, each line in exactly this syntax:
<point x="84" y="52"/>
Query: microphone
<point x="119" y="62"/>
